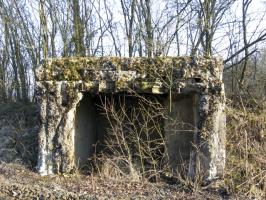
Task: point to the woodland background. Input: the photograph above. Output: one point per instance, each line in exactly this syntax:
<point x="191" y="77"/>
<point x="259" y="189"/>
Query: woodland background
<point x="33" y="30"/>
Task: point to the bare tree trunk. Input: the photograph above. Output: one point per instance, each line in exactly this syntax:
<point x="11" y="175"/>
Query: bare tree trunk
<point x="20" y="66"/>
<point x="43" y="29"/>
<point x="148" y="25"/>
<point x="3" y="97"/>
<point x="245" y="6"/>
<point x="15" y="83"/>
<point x="54" y="29"/>
<point x="28" y="36"/>
<point x="209" y="14"/>
<point x="88" y="24"/>
<point x="146" y="12"/>
<point x="129" y="20"/>
<point x="110" y="27"/>
<point x="139" y="32"/>
<point x="78" y="29"/>
<point x="4" y="63"/>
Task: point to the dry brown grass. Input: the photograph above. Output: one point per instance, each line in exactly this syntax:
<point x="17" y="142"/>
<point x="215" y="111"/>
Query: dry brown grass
<point x="134" y="147"/>
<point x="246" y="150"/>
<point x="245" y="174"/>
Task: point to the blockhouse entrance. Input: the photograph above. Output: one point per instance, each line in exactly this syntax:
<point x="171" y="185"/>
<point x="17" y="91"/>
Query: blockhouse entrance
<point x="191" y="92"/>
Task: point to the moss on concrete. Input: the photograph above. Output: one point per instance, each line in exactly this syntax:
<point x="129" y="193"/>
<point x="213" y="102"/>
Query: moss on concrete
<point x="62" y="82"/>
<point x="72" y="68"/>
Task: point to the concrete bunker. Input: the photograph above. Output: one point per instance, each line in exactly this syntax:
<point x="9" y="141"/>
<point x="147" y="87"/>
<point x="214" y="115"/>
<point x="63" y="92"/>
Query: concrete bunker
<point x="91" y="126"/>
<point x="190" y="91"/>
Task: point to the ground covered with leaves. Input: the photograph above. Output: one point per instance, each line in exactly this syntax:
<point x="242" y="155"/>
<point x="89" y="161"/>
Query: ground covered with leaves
<point x="18" y="182"/>
<point x="245" y="176"/>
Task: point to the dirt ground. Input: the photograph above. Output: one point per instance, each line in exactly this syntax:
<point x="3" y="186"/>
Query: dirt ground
<point x="18" y="182"/>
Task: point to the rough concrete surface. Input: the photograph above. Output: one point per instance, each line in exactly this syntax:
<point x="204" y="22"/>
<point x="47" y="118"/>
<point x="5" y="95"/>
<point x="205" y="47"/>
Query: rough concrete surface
<point x="62" y="83"/>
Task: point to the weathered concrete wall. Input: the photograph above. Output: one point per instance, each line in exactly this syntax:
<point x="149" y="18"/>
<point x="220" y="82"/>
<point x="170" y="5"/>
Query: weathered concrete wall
<point x="179" y="130"/>
<point x="61" y="84"/>
<point x="57" y="125"/>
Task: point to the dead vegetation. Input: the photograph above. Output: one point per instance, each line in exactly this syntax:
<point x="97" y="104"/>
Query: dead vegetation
<point x="246" y="151"/>
<point x="246" y="131"/>
<point x="18" y="133"/>
<point x="18" y="182"/>
<point x="245" y="173"/>
<point x="135" y="145"/>
<point x="139" y="173"/>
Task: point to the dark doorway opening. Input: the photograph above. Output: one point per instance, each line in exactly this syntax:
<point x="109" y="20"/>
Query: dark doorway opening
<point x="144" y="117"/>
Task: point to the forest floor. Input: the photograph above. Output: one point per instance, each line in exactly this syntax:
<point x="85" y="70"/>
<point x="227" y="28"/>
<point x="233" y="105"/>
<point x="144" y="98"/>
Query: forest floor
<point x="19" y="180"/>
